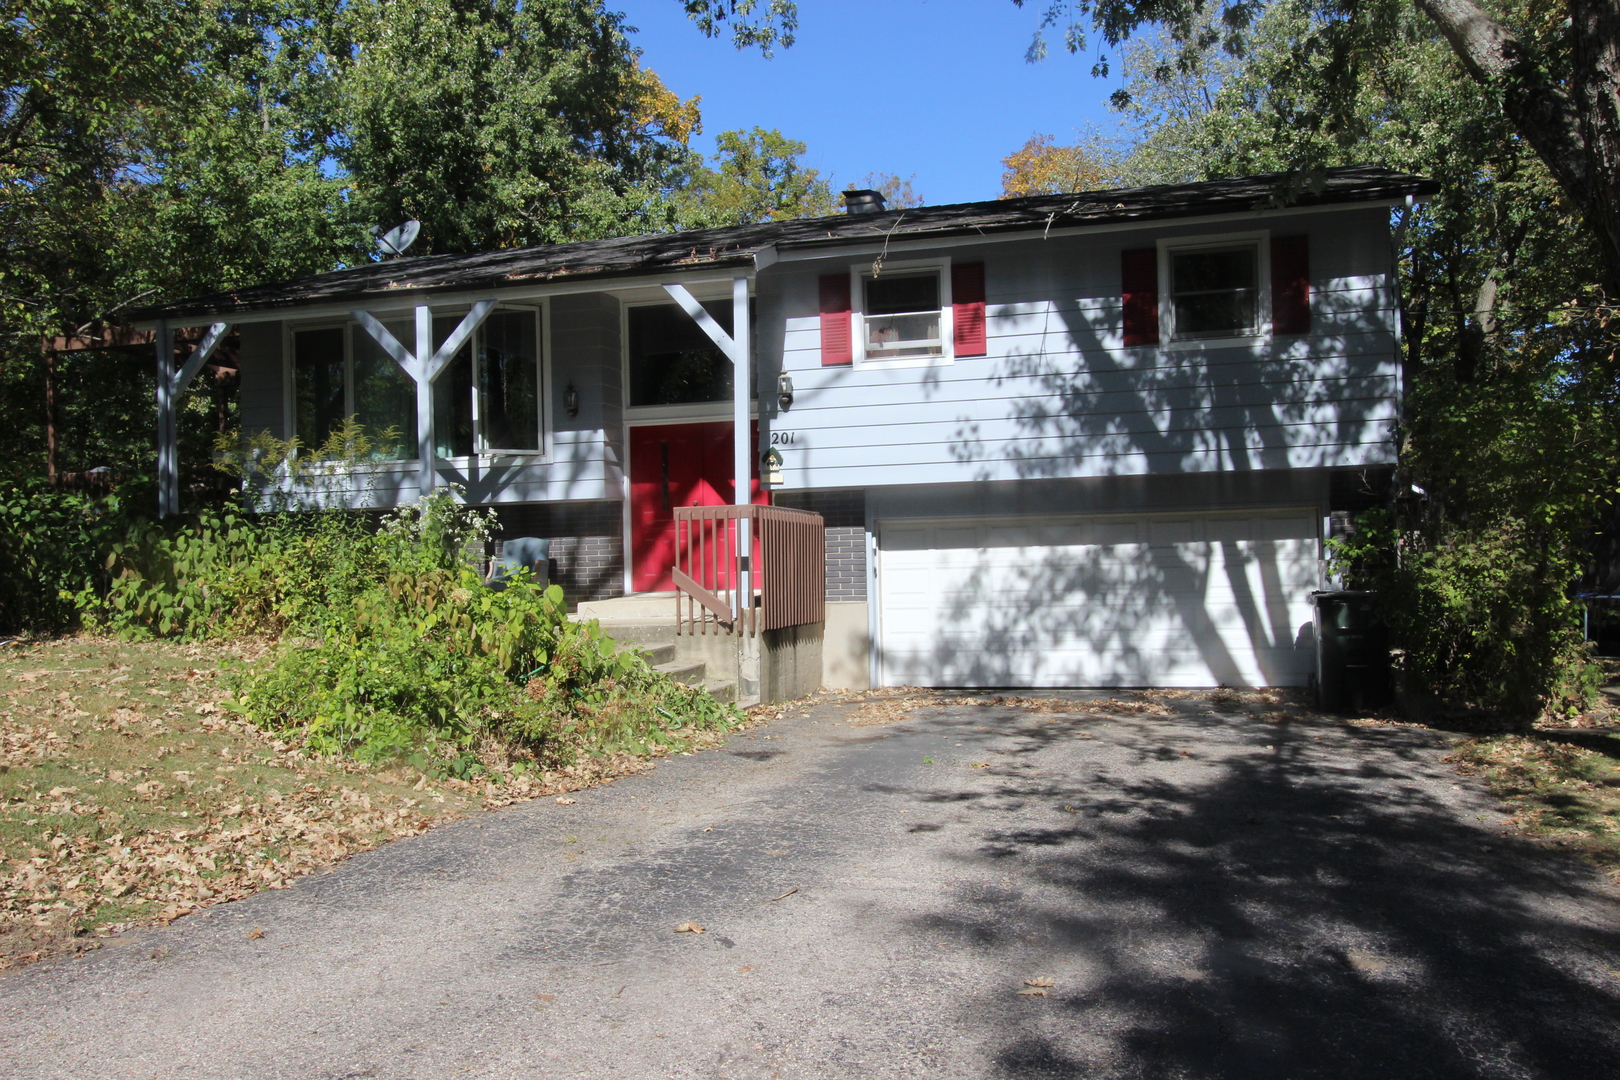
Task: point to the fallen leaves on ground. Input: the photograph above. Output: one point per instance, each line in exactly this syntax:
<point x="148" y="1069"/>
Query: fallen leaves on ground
<point x="129" y="793"/>
<point x="890" y="705"/>
<point x="1562" y="785"/>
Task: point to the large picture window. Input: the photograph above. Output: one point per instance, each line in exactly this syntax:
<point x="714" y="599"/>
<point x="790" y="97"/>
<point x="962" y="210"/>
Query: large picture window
<point x="488" y="398"/>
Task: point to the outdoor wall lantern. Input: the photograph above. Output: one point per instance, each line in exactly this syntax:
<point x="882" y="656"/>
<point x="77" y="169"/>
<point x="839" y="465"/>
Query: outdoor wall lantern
<point x="571" y="400"/>
<point x="784" y="391"/>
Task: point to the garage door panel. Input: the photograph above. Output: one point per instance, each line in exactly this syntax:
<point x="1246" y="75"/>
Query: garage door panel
<point x="1213" y="599"/>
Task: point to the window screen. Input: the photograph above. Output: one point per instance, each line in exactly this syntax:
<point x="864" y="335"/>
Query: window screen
<point x="452" y="395"/>
<point x="384" y="396"/>
<point x="509" y="383"/>
<point x="902" y="315"/>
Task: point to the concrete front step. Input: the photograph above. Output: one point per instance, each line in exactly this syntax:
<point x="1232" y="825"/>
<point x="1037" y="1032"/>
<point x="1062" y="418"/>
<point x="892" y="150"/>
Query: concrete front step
<point x="636" y="607"/>
<point x="633" y="620"/>
<point x="690" y="672"/>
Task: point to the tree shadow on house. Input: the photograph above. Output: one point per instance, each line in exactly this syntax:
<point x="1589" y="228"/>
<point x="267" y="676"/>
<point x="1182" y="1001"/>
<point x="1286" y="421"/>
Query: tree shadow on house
<point x="1078" y="405"/>
<point x="1280" y="911"/>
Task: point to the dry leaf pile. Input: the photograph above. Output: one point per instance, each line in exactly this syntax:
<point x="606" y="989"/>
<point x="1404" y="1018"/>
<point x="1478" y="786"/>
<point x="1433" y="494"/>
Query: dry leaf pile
<point x="128" y="793"/>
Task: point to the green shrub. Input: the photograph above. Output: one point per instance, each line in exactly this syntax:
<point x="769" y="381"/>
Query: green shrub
<point x="435" y="661"/>
<point x="391" y="645"/>
<point x="224" y="574"/>
<point x="1483" y="616"/>
<point x="49" y="545"/>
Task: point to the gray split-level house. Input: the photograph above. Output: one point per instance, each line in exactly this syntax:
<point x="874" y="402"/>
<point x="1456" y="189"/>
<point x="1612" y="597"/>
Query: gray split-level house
<point x="1072" y="440"/>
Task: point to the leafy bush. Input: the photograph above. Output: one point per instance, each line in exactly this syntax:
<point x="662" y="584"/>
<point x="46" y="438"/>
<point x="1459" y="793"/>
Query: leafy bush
<point x="434" y="661"/>
<point x="224" y="574"/>
<point x="1484" y="617"/>
<point x="391" y="645"/>
<point x="49" y="544"/>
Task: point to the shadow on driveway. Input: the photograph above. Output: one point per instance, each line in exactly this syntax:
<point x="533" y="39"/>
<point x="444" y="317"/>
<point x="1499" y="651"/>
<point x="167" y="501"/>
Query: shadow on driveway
<point x="1285" y="912"/>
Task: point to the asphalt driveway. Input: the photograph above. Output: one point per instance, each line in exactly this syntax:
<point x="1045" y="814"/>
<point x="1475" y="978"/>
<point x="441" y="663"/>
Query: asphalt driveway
<point x="1211" y="895"/>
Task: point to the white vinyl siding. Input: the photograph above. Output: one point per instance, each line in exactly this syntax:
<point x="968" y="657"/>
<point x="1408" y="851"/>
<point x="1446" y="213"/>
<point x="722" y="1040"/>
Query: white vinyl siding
<point x="1176" y="599"/>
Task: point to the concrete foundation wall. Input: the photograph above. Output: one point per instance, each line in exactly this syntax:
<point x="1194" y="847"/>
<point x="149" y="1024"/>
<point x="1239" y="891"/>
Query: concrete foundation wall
<point x="790" y="662"/>
<point x="846" y="647"/>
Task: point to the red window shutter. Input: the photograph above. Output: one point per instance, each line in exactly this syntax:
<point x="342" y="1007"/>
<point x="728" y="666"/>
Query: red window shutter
<point x="1139" y="271"/>
<point x="835" y="339"/>
<point x="1290" y="285"/>
<point x="967" y="308"/>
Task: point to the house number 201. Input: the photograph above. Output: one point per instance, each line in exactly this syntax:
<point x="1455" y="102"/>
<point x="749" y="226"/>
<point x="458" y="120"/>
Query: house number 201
<point x="782" y="438"/>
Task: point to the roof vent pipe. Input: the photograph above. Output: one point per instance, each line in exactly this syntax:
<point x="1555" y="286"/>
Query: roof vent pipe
<point x="863" y="202"/>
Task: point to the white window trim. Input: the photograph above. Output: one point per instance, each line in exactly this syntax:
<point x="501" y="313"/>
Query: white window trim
<point x="695" y="411"/>
<point x="859" y="273"/>
<point x="1169" y="248"/>
<point x="539" y="307"/>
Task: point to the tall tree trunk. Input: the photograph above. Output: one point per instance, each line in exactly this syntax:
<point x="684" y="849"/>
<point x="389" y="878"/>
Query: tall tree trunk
<point x="1574" y="131"/>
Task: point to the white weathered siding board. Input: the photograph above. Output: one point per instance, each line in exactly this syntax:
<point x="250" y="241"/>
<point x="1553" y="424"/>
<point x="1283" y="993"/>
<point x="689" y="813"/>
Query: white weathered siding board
<point x="262" y="380"/>
<point x="1058" y="395"/>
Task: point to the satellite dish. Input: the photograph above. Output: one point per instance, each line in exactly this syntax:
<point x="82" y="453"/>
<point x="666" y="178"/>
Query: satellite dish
<point x="395" y="241"/>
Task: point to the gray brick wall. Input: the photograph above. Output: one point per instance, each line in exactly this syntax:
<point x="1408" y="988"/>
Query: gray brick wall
<point x="587" y="543"/>
<point x="845" y="514"/>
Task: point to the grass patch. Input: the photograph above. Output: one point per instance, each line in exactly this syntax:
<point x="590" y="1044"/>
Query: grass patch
<point x="1563" y="787"/>
<point x="128" y="794"/>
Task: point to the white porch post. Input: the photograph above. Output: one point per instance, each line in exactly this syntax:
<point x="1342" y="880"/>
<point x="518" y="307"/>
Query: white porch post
<point x="738" y="347"/>
<point x="424" y="401"/>
<point x="170" y="385"/>
<point x="741" y="444"/>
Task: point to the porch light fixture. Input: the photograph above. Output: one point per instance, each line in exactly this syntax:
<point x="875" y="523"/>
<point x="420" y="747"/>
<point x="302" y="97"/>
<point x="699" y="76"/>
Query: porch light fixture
<point x="571" y="400"/>
<point x="784" y="391"/>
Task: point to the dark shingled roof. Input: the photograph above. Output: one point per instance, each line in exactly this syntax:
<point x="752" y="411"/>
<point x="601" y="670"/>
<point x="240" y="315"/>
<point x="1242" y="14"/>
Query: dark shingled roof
<point x="738" y="245"/>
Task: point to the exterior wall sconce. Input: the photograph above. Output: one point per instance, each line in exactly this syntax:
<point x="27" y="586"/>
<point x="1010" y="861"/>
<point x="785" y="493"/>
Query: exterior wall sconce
<point x="571" y="400"/>
<point x="784" y="391"/>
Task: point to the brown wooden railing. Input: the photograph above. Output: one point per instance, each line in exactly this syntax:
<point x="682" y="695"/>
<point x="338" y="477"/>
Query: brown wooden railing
<point x="789" y="569"/>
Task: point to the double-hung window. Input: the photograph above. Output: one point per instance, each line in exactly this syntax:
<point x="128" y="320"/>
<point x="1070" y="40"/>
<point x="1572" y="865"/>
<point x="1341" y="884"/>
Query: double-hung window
<point x="1214" y="291"/>
<point x="487" y="400"/>
<point x="902" y="315"/>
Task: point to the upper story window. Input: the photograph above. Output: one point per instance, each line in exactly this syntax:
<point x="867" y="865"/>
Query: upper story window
<point x="487" y="400"/>
<point x="1215" y="292"/>
<point x="901" y="315"/>
<point x="672" y="361"/>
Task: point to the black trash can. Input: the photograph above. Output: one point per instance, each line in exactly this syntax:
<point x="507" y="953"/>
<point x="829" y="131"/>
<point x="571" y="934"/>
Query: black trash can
<point x="1352" y="653"/>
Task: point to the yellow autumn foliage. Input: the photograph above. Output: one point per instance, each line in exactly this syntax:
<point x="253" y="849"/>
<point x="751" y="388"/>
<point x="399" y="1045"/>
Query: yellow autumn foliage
<point x="1040" y="167"/>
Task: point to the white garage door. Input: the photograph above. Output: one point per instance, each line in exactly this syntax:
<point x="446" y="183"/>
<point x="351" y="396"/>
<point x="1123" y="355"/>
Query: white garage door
<point x="1142" y="600"/>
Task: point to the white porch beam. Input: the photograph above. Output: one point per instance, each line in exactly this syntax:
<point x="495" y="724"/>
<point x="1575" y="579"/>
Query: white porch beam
<point x="424" y="365"/>
<point x="705" y="321"/>
<point x="389" y="343"/>
<point x="171" y="383"/>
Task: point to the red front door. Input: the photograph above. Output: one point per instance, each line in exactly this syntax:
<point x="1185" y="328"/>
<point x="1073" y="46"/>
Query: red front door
<point x="676" y="465"/>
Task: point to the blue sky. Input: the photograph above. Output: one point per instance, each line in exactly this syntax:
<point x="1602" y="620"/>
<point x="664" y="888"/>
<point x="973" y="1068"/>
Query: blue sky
<point x="938" y="88"/>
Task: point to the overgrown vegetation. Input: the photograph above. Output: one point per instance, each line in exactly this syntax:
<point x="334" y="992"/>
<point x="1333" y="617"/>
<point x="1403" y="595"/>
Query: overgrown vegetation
<point x="389" y="646"/>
